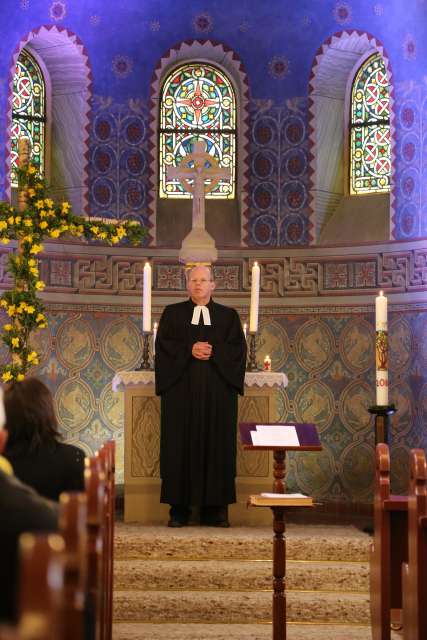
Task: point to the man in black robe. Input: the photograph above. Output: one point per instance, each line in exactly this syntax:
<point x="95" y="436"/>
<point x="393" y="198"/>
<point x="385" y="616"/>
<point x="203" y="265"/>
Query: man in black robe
<point x="200" y="369"/>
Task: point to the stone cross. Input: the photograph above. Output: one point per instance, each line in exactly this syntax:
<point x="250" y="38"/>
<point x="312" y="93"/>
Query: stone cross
<point x="198" y="173"/>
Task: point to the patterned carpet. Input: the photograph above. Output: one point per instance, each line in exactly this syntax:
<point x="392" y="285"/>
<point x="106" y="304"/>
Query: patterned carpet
<point x="201" y="583"/>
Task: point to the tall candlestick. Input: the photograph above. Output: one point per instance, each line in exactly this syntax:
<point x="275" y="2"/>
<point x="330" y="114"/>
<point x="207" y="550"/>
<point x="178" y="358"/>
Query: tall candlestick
<point x="154" y="338"/>
<point x="253" y="317"/>
<point x="146" y="299"/>
<point x="381" y="350"/>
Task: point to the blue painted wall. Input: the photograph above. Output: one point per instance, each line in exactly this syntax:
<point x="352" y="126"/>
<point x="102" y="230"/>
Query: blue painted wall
<point x="276" y="41"/>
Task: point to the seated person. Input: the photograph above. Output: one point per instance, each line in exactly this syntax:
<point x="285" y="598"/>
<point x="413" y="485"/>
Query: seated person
<point x="21" y="509"/>
<point x="34" y="447"/>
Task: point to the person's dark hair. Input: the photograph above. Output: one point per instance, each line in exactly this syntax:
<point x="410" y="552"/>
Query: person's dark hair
<point x="30" y="415"/>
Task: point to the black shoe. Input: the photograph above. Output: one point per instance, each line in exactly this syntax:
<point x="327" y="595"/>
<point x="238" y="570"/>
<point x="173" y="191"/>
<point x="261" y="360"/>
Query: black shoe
<point x="174" y="522"/>
<point x="213" y="516"/>
<point x="178" y="515"/>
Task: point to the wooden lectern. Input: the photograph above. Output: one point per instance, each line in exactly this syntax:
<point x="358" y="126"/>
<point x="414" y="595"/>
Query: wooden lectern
<point x="308" y="441"/>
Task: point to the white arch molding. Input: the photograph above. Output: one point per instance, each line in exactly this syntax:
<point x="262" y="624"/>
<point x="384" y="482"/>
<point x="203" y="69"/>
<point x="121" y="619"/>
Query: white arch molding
<point x="208" y="51"/>
<point x="332" y="73"/>
<point x="65" y="62"/>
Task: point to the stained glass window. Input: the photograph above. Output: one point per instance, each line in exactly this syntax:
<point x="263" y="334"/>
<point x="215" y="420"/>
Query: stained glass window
<point x="28" y="111"/>
<point x="197" y="103"/>
<point x="370" y="163"/>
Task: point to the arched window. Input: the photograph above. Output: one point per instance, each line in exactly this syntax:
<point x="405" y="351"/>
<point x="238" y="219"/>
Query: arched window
<point x="28" y="112"/>
<point x="197" y="103"/>
<point x="370" y="161"/>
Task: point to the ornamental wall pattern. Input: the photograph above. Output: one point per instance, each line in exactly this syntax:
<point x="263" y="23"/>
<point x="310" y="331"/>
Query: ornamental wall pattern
<point x="396" y="271"/>
<point x="327" y="355"/>
<point x="278" y="168"/>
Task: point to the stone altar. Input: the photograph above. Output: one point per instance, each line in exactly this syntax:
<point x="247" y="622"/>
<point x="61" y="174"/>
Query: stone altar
<point x="142" y="445"/>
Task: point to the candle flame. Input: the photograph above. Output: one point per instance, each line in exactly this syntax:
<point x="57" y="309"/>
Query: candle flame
<point x="155" y="325"/>
<point x="255" y="263"/>
<point x="381" y="293"/>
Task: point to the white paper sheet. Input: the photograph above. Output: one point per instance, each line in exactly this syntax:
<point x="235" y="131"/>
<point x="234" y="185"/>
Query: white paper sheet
<point x="270" y="435"/>
<point x="283" y="495"/>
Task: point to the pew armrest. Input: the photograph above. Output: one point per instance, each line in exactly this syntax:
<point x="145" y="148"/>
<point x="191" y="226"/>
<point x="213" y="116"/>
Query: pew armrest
<point x="396" y="503"/>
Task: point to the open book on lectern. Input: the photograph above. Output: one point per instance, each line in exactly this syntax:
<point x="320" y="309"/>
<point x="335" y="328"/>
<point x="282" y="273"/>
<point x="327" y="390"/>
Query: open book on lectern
<point x="274" y="435"/>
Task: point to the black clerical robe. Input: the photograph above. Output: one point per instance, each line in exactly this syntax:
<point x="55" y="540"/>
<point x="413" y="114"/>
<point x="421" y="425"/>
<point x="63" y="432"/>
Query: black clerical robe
<point x="199" y="404"/>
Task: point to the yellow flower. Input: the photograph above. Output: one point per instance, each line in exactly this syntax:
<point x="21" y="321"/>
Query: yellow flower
<point x="32" y="262"/>
<point x="40" y="318"/>
<point x="11" y="310"/>
<point x="5" y="240"/>
<point x="7" y="376"/>
<point x="80" y="228"/>
<point x="115" y="239"/>
<point x="121" y="232"/>
<point x="18" y="220"/>
<point x="40" y="285"/>
<point x="39" y="204"/>
<point x="103" y="235"/>
<point x="64" y="227"/>
<point x="3" y="225"/>
<point x="30" y="309"/>
<point x="28" y="222"/>
<point x="36" y="248"/>
<point x="15" y="342"/>
<point x="51" y="214"/>
<point x="3" y="303"/>
<point x="48" y="202"/>
<point x="11" y="219"/>
<point x="7" y="327"/>
<point x="65" y="207"/>
<point x="31" y="169"/>
<point x="42" y="214"/>
<point x="54" y="233"/>
<point x="32" y="357"/>
<point x="22" y="307"/>
<point x="43" y="224"/>
<point x="94" y="229"/>
<point x="20" y="377"/>
<point x="31" y="192"/>
<point x="39" y="186"/>
<point x="34" y="271"/>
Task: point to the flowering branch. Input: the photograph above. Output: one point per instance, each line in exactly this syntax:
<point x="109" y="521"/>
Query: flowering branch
<point x="40" y="219"/>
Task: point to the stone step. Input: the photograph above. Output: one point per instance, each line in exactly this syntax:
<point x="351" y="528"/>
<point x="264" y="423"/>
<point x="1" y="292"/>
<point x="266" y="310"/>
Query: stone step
<point x="316" y="542"/>
<point x="191" y="631"/>
<point x="238" y="607"/>
<point x="238" y="575"/>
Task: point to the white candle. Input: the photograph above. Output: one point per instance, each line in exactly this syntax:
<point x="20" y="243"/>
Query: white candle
<point x="381" y="350"/>
<point x="154" y="338"/>
<point x="253" y="316"/>
<point x="146" y="299"/>
<point x="245" y="329"/>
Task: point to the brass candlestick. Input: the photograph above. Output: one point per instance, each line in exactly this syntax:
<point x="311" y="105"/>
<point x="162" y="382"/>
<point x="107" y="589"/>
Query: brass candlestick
<point x="252" y="364"/>
<point x="145" y="363"/>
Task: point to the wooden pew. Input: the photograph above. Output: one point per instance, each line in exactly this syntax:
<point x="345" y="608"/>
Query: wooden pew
<point x="72" y="525"/>
<point x="41" y="594"/>
<point x="107" y="458"/>
<point x="388" y="550"/>
<point x="414" y="572"/>
<point x="96" y="509"/>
